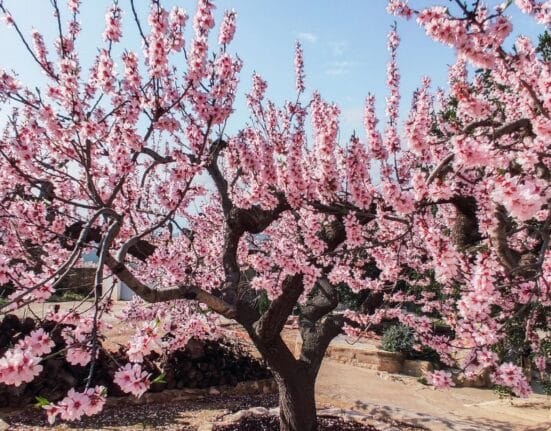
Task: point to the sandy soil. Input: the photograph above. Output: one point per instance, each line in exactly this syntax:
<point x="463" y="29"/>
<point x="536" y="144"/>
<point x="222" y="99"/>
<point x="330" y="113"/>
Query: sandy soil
<point x="402" y="397"/>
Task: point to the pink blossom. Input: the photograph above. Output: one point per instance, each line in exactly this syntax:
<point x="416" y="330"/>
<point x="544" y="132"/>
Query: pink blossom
<point x="38" y="343"/>
<point x="74" y="405"/>
<point x="227" y="28"/>
<point x="131" y="379"/>
<point x="19" y="366"/>
<point x="399" y="8"/>
<point x="73" y="5"/>
<point x="77" y="404"/>
<point x="374" y="140"/>
<point x="78" y="355"/>
<point x="143" y="342"/>
<point x="299" y="68"/>
<point x="113" y="30"/>
<point x="510" y="375"/>
<point x="440" y="379"/>
<point x="486" y="358"/>
<point x="522" y="199"/>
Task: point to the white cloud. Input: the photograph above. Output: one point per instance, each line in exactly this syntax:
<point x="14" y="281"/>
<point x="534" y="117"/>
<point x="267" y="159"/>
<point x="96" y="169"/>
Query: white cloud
<point x="338" y="48"/>
<point x="308" y="37"/>
<point x="353" y="117"/>
<point x="339" y="68"/>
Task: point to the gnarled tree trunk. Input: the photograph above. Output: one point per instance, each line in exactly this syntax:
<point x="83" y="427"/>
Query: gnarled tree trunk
<point x="296" y="377"/>
<point x="296" y="381"/>
<point x="297" y="403"/>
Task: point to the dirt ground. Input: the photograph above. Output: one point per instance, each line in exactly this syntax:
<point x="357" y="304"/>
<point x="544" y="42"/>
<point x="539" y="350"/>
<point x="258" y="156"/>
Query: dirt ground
<point x="403" y="398"/>
<point x="349" y="387"/>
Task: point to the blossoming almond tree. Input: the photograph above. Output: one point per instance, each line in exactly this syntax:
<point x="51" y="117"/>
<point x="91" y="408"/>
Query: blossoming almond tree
<point x="130" y="159"/>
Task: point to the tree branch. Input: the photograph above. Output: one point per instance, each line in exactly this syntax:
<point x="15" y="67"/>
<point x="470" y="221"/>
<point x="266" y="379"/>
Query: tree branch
<point x="152" y="295"/>
<point x="325" y="301"/>
<point x="274" y="318"/>
<point x="506" y="129"/>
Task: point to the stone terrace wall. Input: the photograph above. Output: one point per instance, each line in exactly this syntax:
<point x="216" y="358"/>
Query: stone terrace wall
<point x="78" y="280"/>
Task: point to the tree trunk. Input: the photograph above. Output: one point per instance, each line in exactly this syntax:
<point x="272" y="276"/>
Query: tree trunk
<point x="296" y="378"/>
<point x="297" y="403"/>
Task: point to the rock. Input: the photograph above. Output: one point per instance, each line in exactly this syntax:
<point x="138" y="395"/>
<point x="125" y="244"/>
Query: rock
<point x="417" y="368"/>
<point x="194" y="391"/>
<point x="214" y="391"/>
<point x="480" y="380"/>
<point x="390" y="363"/>
<point x="379" y="360"/>
<point x="235" y="417"/>
<point x="258" y="411"/>
<point x="4" y="426"/>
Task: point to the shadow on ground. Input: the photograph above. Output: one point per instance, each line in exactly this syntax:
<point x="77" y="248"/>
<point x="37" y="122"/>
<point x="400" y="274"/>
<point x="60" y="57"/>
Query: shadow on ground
<point x="465" y="423"/>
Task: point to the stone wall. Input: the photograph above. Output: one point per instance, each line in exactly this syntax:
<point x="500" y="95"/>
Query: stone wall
<point x="78" y="280"/>
<point x="368" y="356"/>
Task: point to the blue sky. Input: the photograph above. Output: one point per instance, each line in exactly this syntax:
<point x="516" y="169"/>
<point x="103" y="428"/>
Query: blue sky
<point x="344" y="46"/>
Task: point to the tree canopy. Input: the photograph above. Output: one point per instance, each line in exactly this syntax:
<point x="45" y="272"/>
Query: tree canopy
<point x="130" y="160"/>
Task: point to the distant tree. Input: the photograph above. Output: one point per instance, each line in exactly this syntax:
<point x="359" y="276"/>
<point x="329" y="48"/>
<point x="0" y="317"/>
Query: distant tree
<point x="544" y="46"/>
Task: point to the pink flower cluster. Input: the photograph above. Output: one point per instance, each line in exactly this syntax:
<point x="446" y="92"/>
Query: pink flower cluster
<point x="374" y="139"/>
<point x="511" y="376"/>
<point x="227" y="27"/>
<point x="541" y="10"/>
<point x="417" y="129"/>
<point x="202" y="23"/>
<point x="156" y="50"/>
<point x="144" y="342"/>
<point x="132" y="380"/>
<point x="177" y="21"/>
<point x="299" y="68"/>
<point x="522" y="199"/>
<point x="77" y="404"/>
<point x="19" y="366"/>
<point x="113" y="30"/>
<point x="440" y="379"/>
<point x="22" y="363"/>
<point x="73" y="5"/>
<point x="399" y="8"/>
<point x="78" y="339"/>
<point x="37" y="342"/>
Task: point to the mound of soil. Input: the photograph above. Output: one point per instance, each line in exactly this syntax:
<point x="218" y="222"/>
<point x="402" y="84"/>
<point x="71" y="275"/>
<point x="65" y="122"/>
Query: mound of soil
<point x="200" y="365"/>
<point x="212" y="363"/>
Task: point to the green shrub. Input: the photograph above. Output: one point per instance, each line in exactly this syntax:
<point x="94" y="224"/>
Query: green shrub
<point x="503" y="391"/>
<point x="398" y="338"/>
<point x="262" y="302"/>
<point x="423" y="381"/>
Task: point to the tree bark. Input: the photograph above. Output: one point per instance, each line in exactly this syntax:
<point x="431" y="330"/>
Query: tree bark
<point x="297" y="403"/>
<point x="296" y="381"/>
